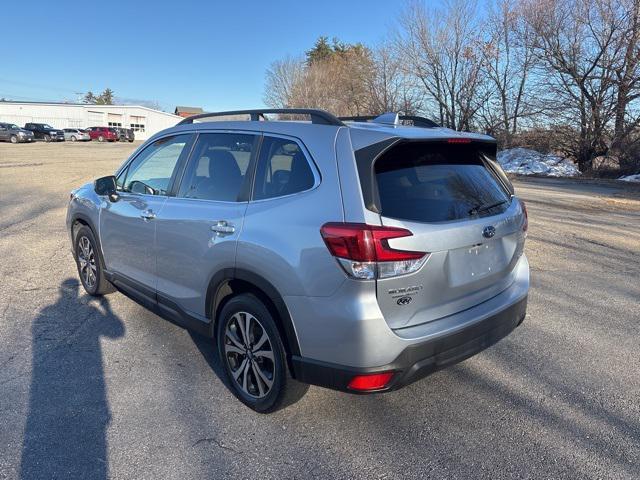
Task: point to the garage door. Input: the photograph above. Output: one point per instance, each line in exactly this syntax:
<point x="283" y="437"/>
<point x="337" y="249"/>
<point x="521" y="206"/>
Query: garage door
<point x="114" y="120"/>
<point x="95" y="119"/>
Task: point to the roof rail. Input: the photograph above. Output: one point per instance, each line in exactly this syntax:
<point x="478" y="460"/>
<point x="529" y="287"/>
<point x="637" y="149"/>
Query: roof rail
<point x="384" y="119"/>
<point x="321" y="117"/>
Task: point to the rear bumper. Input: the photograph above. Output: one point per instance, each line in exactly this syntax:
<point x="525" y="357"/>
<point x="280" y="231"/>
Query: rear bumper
<point x="419" y="359"/>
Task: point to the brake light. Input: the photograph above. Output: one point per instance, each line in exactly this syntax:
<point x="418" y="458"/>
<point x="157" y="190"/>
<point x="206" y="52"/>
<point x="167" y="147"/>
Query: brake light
<point x="525" y="224"/>
<point x="374" y="381"/>
<point x="458" y="140"/>
<point x="364" y="252"/>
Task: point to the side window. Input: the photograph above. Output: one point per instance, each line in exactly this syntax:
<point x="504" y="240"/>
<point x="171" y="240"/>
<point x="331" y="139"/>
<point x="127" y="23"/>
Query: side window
<point x="282" y="169"/>
<point x="151" y="171"/>
<point x="218" y="166"/>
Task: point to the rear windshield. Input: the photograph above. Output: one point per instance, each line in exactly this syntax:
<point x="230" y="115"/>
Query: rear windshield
<point x="433" y="182"/>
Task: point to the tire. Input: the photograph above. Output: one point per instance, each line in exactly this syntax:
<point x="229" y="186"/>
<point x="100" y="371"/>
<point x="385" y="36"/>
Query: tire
<point x="73" y="138"/>
<point x="101" y="138"/>
<point x="89" y="263"/>
<point x="264" y="360"/>
<point x="13" y="139"/>
<point x="47" y="138"/>
<point x="131" y="141"/>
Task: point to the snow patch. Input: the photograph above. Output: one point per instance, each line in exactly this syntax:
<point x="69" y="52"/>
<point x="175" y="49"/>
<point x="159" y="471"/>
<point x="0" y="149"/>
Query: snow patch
<point x="524" y="161"/>
<point x="631" y="178"/>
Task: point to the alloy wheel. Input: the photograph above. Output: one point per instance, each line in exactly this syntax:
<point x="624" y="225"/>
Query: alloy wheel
<point x="87" y="261"/>
<point x="249" y="354"/>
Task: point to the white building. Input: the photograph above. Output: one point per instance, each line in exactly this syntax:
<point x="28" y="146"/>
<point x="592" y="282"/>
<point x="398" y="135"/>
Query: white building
<point x="144" y="121"/>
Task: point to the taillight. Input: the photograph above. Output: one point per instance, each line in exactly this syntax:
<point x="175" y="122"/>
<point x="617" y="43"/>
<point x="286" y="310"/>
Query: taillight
<point x="374" y="381"/>
<point x="458" y="140"/>
<point x="525" y="224"/>
<point x="364" y="251"/>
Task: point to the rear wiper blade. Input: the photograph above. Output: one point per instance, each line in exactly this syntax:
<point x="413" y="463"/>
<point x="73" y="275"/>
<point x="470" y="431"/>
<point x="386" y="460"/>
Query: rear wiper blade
<point x="484" y="208"/>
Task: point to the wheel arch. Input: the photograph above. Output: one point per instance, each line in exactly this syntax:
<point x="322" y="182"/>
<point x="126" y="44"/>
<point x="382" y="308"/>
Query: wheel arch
<point x="81" y="219"/>
<point x="230" y="282"/>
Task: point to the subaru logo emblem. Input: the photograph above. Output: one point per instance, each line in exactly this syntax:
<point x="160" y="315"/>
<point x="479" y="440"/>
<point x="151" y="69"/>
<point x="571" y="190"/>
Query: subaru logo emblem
<point x="404" y="301"/>
<point x="489" y="231"/>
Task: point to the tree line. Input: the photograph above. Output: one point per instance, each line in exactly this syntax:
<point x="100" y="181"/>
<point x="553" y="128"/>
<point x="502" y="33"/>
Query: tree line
<point x="556" y="75"/>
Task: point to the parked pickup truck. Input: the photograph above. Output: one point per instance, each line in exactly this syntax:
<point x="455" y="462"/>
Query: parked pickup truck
<point x="45" y="132"/>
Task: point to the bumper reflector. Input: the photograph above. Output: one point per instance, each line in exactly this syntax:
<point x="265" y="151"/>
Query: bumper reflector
<point x="374" y="381"/>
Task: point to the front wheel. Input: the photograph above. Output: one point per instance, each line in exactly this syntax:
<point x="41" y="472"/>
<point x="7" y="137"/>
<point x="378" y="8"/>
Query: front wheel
<point x="253" y="356"/>
<point x="47" y="138"/>
<point x="89" y="264"/>
<point x="73" y="138"/>
<point x="101" y="138"/>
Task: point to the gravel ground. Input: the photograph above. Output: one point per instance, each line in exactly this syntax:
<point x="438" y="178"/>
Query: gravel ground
<point x="104" y="389"/>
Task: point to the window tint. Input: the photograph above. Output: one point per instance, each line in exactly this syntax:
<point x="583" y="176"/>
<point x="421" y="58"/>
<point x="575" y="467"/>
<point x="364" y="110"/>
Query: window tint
<point x="436" y="183"/>
<point x="151" y="171"/>
<point x="282" y="169"/>
<point x="218" y="167"/>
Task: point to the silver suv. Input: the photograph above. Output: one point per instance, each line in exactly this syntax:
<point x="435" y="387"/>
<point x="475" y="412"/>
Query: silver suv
<point x="357" y="254"/>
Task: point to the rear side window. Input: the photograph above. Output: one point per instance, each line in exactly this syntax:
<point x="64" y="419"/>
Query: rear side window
<point x="433" y="182"/>
<point x="218" y="167"/>
<point x="282" y="169"/>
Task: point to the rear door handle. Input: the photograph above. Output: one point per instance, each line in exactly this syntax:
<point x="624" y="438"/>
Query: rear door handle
<point x="223" y="227"/>
<point x="148" y="215"/>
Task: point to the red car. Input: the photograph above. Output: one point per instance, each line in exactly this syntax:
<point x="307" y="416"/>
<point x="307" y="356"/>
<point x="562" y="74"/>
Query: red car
<point x="103" y="134"/>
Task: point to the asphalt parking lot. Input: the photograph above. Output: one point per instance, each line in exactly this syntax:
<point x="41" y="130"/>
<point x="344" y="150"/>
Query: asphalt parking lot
<point x="105" y="389"/>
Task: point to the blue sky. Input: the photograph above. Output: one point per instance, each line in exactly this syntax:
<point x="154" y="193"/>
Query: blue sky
<point x="209" y="53"/>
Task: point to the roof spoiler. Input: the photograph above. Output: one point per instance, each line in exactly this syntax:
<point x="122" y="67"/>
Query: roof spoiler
<point x="391" y="118"/>
<point x="317" y="116"/>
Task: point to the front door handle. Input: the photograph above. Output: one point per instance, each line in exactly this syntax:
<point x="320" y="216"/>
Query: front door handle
<point x="223" y="227"/>
<point x="148" y="215"/>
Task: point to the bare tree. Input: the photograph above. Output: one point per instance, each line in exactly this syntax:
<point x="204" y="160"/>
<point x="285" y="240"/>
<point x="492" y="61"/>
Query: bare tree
<point x="389" y="89"/>
<point x="576" y="42"/>
<point x="443" y="53"/>
<point x="281" y="80"/>
<point x="627" y="75"/>
<point x="508" y="63"/>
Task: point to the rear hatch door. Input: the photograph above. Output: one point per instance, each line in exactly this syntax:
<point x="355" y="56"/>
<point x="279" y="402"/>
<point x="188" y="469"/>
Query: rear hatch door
<point x="462" y="211"/>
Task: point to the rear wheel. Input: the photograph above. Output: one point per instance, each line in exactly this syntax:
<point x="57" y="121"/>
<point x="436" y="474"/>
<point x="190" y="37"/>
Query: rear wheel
<point x="101" y="138"/>
<point x="73" y="138"/>
<point x="47" y="138"/>
<point x="89" y="265"/>
<point x="13" y="139"/>
<point x="253" y="356"/>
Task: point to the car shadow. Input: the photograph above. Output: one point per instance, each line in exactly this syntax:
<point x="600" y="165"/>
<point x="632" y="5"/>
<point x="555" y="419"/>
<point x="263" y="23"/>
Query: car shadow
<point x="65" y="433"/>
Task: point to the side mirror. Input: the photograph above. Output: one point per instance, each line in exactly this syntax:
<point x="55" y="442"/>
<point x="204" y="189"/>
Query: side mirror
<point x="106" y="186"/>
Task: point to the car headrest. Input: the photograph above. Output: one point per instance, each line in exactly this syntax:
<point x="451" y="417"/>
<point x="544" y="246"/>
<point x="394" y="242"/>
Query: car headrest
<point x="223" y="166"/>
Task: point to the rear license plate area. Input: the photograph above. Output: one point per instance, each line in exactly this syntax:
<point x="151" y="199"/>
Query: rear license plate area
<point x="470" y="264"/>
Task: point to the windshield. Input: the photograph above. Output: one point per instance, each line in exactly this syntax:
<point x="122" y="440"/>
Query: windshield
<point x="14" y="127"/>
<point x="46" y="125"/>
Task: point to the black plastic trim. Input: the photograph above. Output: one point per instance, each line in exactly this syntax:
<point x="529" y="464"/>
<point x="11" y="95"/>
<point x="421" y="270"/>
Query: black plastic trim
<point x="224" y="276"/>
<point x="321" y="117"/>
<point x="421" y="122"/>
<point x="159" y="304"/>
<point x="418" y="360"/>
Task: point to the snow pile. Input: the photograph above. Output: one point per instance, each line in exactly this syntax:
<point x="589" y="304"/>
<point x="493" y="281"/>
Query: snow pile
<point x="631" y="178"/>
<point x="527" y="162"/>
